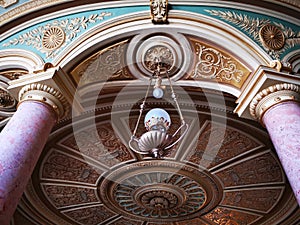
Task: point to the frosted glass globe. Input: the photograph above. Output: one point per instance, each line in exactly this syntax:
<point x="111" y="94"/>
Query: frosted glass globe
<point x="158" y="92"/>
<point x="157" y="119"/>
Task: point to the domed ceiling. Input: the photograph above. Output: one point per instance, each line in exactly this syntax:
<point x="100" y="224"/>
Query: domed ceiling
<point x="224" y="171"/>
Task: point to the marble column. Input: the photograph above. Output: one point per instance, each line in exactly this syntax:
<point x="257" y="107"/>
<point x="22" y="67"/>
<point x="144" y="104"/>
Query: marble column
<point x="278" y="109"/>
<point x="22" y="141"/>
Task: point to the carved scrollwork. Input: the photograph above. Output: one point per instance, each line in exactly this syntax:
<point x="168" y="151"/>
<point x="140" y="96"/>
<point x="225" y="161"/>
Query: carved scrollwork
<point x="212" y="64"/>
<point x="107" y="64"/>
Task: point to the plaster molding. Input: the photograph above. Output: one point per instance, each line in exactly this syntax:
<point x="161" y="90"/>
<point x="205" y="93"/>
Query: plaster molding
<point x="263" y="78"/>
<point x="22" y="59"/>
<point x="46" y="95"/>
<point x="271" y="96"/>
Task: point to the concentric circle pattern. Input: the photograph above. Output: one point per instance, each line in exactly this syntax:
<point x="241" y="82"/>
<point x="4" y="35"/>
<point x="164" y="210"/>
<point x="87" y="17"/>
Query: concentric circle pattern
<point x="160" y="190"/>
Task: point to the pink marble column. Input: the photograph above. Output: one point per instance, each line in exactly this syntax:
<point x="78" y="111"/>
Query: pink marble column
<point x="21" y="142"/>
<point x="283" y="124"/>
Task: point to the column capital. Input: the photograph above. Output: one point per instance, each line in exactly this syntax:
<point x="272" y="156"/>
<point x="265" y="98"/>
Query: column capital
<point x="271" y="96"/>
<point x="46" y="95"/>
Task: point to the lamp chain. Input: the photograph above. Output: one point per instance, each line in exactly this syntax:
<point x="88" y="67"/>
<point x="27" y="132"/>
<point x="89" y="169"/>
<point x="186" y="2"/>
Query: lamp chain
<point x="175" y="99"/>
<point x="142" y="106"/>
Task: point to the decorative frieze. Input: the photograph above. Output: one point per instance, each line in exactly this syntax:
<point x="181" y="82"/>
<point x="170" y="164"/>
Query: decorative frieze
<point x="52" y="37"/>
<point x="274" y="37"/>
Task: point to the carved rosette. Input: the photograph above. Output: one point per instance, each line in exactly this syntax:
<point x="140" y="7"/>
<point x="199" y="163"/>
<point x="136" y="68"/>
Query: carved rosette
<point x="53" y="38"/>
<point x="46" y="95"/>
<point x="159" y="191"/>
<point x="271" y="37"/>
<point x="271" y="96"/>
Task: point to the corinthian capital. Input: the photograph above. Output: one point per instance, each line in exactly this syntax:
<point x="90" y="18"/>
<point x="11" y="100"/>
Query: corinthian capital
<point x="271" y="96"/>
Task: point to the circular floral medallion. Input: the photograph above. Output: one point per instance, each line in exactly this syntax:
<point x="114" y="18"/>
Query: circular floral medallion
<point x="272" y="37"/>
<point x="159" y="191"/>
<point x="53" y="38"/>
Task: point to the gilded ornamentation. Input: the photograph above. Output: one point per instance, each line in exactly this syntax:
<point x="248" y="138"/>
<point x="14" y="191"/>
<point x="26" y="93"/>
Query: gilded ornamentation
<point x="225" y="145"/>
<point x="260" y="200"/>
<point x="148" y="196"/>
<point x="254" y="26"/>
<point x="261" y="169"/>
<point x="52" y="37"/>
<point x="271" y="96"/>
<point x="107" y="64"/>
<point x="227" y="216"/>
<point x="46" y="95"/>
<point x="62" y="196"/>
<point x="89" y="215"/>
<point x="159" y="11"/>
<point x="6" y="100"/>
<point x="213" y="64"/>
<point x="6" y="3"/>
<point x="162" y="53"/>
<point x="59" y="166"/>
<point x="101" y="144"/>
<point x="272" y="37"/>
<point x="151" y="191"/>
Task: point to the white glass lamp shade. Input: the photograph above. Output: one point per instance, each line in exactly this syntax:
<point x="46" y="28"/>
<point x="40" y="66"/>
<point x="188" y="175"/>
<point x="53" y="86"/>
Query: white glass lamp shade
<point x="158" y="92"/>
<point x="157" y="119"/>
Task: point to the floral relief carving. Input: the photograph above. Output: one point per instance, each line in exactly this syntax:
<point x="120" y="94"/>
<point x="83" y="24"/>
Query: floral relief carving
<point x="254" y="199"/>
<point x="90" y="215"/>
<point x="263" y="31"/>
<point x="107" y="64"/>
<point x="63" y="167"/>
<point x="101" y="144"/>
<point x="225" y="216"/>
<point x="226" y="143"/>
<point x="215" y="65"/>
<point x="52" y="37"/>
<point x="65" y="195"/>
<point x="262" y="169"/>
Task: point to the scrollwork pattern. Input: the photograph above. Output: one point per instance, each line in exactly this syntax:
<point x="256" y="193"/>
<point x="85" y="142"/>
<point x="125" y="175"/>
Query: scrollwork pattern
<point x="212" y="64"/>
<point x="71" y="28"/>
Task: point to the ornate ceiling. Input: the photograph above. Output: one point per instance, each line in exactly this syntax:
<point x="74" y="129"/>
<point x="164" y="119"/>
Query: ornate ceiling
<point x="224" y="172"/>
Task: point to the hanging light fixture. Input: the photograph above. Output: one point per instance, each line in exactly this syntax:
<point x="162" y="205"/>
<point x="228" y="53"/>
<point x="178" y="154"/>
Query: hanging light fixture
<point x="156" y="140"/>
